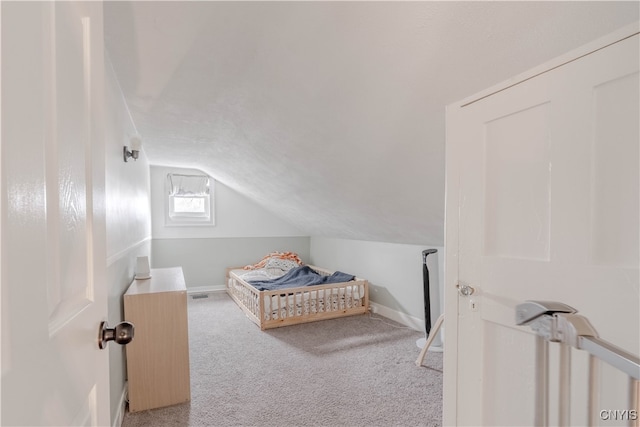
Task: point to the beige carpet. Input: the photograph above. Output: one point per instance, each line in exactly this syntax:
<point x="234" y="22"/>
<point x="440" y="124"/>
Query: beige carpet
<point x="354" y="371"/>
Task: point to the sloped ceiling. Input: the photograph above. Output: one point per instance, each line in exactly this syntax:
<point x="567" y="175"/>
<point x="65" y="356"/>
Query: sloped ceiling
<point x="330" y="114"/>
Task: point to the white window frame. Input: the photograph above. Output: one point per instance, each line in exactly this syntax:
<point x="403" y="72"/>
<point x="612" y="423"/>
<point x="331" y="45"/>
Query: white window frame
<point x="174" y="191"/>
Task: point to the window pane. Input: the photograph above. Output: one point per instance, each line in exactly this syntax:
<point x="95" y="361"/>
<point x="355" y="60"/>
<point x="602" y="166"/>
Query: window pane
<point x="188" y="205"/>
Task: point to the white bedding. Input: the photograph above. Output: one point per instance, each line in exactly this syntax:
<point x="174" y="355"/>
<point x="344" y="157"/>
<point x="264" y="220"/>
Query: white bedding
<point x="259" y="274"/>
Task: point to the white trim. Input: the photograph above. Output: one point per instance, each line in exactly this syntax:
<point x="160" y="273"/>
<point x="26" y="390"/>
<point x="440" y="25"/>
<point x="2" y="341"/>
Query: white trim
<point x="201" y="236"/>
<point x="572" y="55"/>
<point x="205" y="289"/>
<point x="122" y="405"/>
<point x="405" y="319"/>
<point x="171" y="219"/>
<point x="398" y="316"/>
<point x="118" y="255"/>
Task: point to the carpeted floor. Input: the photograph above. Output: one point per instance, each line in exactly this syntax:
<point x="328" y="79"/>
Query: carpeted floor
<point x="354" y="371"/>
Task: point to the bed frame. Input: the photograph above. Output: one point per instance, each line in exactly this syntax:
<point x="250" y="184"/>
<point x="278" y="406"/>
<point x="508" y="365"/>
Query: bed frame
<point x="291" y="306"/>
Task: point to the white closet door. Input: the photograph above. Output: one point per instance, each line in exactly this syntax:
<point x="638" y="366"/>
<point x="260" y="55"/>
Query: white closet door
<point x="542" y="204"/>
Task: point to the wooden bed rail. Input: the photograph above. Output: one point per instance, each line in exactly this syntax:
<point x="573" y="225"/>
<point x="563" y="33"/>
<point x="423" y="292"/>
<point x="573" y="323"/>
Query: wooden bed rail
<point x="283" y="307"/>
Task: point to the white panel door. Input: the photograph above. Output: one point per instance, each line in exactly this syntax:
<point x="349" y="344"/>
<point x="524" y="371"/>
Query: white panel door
<point x="542" y="204"/>
<point x="53" y="226"/>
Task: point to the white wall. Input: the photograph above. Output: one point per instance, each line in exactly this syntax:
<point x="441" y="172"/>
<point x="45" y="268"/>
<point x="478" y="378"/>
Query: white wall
<point x="394" y="272"/>
<point x="243" y="233"/>
<point x="235" y="215"/>
<point x="204" y="261"/>
<point x="128" y="223"/>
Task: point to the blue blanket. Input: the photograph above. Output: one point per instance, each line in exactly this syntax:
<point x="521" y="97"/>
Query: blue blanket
<point x="300" y="276"/>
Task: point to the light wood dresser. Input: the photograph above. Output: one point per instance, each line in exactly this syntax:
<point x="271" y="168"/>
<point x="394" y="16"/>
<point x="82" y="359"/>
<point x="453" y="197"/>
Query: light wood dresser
<point x="158" y="356"/>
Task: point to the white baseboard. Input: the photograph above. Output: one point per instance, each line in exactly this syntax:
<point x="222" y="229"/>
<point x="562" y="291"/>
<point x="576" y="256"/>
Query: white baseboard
<point x="205" y="289"/>
<point x="122" y="407"/>
<point x="397" y="316"/>
<point x="410" y="322"/>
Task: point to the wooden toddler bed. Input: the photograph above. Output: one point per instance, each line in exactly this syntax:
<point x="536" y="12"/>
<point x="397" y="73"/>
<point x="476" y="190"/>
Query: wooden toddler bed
<point x="289" y="306"/>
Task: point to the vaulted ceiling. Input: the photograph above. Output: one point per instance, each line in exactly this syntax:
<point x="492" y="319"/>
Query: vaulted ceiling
<point x="330" y="114"/>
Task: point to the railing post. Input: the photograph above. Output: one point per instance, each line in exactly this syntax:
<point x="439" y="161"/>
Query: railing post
<point x="542" y="382"/>
<point x="634" y="401"/>
<point x="564" y="410"/>
<point x="594" y="394"/>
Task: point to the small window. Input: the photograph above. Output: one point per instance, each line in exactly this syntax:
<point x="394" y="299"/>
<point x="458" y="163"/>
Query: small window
<point x="189" y="200"/>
